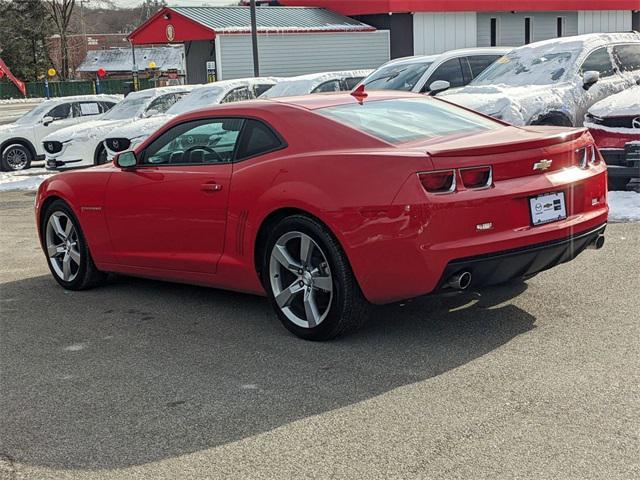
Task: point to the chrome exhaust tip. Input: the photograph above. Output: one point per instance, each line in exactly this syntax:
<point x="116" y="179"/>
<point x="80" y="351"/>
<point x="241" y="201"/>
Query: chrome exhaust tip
<point x="460" y="281"/>
<point x="597" y="242"/>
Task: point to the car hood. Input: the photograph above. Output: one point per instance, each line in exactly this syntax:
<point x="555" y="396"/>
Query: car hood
<point x="514" y="105"/>
<point x="623" y="104"/>
<point x="140" y="128"/>
<point x="93" y="129"/>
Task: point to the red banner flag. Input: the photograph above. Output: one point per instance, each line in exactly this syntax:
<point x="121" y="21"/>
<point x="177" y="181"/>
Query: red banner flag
<point x="5" y="70"/>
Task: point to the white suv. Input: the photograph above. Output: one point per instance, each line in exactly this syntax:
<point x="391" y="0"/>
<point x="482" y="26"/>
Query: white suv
<point x="21" y="141"/>
<point x="81" y="145"/>
<point x="554" y="82"/>
<point x="418" y="74"/>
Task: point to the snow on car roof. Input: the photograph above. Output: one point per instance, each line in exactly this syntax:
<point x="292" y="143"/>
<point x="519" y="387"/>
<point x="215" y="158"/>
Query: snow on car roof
<point x="80" y="98"/>
<point x="625" y="103"/>
<point x="451" y="53"/>
<point x="157" y="91"/>
<point x="304" y="84"/>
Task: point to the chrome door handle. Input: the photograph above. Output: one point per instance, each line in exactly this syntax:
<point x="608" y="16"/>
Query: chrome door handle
<point x="211" y="187"/>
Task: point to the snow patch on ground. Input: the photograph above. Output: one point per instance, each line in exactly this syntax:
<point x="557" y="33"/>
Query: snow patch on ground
<point x="624" y="206"/>
<point x="23" y="180"/>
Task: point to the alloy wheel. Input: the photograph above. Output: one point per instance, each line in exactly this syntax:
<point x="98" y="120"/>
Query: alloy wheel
<point x="301" y="279"/>
<point x="16" y="158"/>
<point x="63" y="246"/>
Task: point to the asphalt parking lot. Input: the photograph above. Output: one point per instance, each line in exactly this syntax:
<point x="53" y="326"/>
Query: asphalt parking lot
<point x="144" y="379"/>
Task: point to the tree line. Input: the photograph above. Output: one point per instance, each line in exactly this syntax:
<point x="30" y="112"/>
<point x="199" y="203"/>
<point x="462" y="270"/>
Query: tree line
<point x="27" y="25"/>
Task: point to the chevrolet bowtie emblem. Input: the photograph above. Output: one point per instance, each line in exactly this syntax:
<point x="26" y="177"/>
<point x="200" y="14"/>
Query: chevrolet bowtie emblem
<point x="542" y="164"/>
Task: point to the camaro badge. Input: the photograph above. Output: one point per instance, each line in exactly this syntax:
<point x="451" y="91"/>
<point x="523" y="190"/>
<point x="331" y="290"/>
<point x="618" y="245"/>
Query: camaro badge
<point x="542" y="164"/>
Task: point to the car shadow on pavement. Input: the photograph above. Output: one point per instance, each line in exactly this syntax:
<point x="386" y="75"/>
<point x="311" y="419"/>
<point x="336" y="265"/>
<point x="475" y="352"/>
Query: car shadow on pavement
<point x="139" y="370"/>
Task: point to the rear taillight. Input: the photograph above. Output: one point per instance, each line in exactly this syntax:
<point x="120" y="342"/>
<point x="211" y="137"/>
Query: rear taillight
<point x="443" y="181"/>
<point x="586" y="156"/>
<point x="476" y="177"/>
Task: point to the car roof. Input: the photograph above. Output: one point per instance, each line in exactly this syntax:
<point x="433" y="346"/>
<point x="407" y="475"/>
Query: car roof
<point x="451" y="53"/>
<point x="83" y="98"/>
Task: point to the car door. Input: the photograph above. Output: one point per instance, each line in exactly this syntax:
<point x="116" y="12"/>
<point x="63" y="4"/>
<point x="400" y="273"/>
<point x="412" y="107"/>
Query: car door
<point x="451" y="71"/>
<point x="170" y="211"/>
<point x="62" y="116"/>
<point x="610" y="82"/>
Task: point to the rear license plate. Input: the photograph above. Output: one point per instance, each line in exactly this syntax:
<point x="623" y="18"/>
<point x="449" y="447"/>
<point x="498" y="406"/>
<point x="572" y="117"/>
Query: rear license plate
<point x="546" y="208"/>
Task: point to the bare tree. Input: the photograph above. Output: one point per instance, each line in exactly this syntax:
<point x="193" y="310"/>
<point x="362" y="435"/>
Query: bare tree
<point x="61" y="12"/>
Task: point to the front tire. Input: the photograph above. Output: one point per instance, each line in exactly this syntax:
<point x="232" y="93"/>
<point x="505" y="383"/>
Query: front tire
<point x="15" y="157"/>
<point x="66" y="249"/>
<point x="309" y="281"/>
<point x="101" y="155"/>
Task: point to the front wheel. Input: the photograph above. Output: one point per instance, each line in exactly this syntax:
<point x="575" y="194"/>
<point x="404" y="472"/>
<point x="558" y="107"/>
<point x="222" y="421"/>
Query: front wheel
<point x="309" y="281"/>
<point x="66" y="248"/>
<point x="15" y="157"/>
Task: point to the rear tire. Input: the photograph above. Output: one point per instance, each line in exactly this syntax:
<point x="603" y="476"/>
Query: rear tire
<point x="15" y="157"/>
<point x="553" y="119"/>
<point x="309" y="280"/>
<point x="66" y="249"/>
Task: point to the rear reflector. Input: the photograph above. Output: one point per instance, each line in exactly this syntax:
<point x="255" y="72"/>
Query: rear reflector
<point x="476" y="177"/>
<point x="443" y="181"/>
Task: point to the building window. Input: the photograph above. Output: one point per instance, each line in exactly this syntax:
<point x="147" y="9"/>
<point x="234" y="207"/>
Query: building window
<point x="560" y="26"/>
<point x="494" y="32"/>
<point x="528" y="29"/>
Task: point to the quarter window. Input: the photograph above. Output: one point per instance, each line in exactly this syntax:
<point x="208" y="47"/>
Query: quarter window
<point x="479" y="62"/>
<point x="599" y="61"/>
<point x="628" y="57"/>
<point x="207" y="141"/>
<point x="257" y="138"/>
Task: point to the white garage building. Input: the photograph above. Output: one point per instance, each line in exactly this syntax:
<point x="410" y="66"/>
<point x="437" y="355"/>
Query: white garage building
<point x="434" y="26"/>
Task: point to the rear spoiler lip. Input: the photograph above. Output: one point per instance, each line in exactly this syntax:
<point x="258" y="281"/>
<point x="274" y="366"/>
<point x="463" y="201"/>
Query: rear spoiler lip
<point x="543" y="140"/>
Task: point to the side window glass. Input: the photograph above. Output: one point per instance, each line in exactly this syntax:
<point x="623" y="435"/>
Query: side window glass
<point x="599" y="61"/>
<point x="60" y="112"/>
<point x="163" y="103"/>
<point x="351" y="82"/>
<point x="479" y="62"/>
<point x="105" y="106"/>
<point x="330" y="86"/>
<point x="628" y="56"/>
<point x="451" y="71"/>
<point x="257" y="138"/>
<point x="261" y="88"/>
<point x="85" y="109"/>
<point x="207" y="141"/>
<point x="237" y="95"/>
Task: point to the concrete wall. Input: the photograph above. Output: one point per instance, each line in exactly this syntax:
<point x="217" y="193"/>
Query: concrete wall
<point x="511" y="26"/>
<point x="439" y="32"/>
<point x="297" y="54"/>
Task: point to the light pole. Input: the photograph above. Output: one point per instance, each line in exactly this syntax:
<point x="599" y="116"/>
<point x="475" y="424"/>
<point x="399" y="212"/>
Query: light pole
<point x="254" y="39"/>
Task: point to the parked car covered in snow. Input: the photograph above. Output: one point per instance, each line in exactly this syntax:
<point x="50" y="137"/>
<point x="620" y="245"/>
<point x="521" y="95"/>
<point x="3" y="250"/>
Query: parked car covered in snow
<point x="316" y="83"/>
<point x="614" y="124"/>
<point x="554" y="82"/>
<point x="417" y="74"/>
<point x="131" y="135"/>
<point x="21" y="141"/>
<point x="81" y="145"/>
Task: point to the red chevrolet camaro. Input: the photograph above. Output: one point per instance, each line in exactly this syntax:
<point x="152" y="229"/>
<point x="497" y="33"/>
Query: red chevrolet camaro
<point x="327" y="203"/>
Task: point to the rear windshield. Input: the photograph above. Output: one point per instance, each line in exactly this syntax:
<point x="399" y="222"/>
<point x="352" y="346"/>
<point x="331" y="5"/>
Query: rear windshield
<point x="408" y="119"/>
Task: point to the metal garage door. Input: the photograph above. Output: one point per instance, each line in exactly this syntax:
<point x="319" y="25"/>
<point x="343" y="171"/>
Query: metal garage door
<point x="298" y="54"/>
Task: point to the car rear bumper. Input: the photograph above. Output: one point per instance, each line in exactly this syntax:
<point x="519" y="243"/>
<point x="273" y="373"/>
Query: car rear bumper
<point x="501" y="267"/>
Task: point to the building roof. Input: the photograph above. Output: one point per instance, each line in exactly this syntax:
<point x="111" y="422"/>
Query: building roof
<point x="121" y="59"/>
<point x="204" y="23"/>
<point x="363" y="7"/>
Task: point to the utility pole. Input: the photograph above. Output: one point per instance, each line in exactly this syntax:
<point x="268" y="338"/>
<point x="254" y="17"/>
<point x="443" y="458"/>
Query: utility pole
<point x="254" y="39"/>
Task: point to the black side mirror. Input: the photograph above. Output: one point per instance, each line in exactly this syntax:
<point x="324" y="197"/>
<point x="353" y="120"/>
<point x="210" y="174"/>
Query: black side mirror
<point x="47" y="120"/>
<point x="126" y="160"/>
